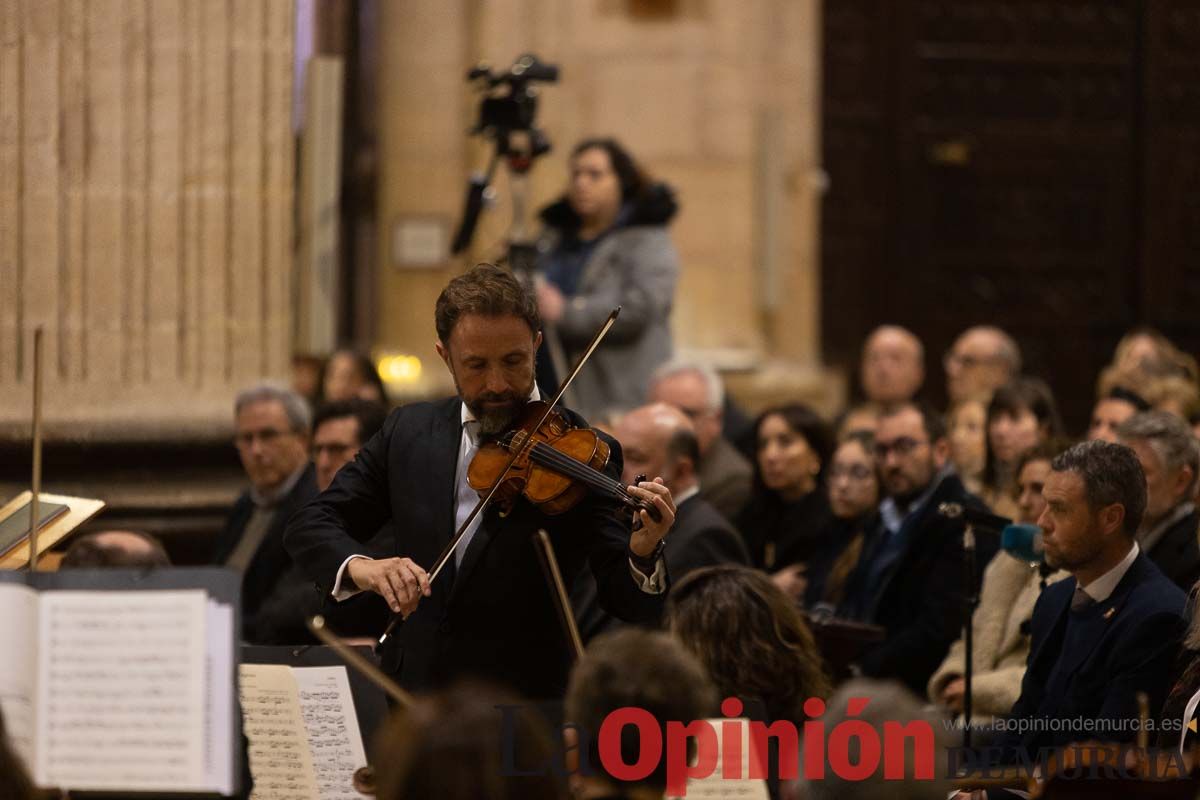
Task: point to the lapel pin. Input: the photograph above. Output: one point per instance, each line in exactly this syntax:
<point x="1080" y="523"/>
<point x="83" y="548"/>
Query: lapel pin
<point x="1109" y="614"/>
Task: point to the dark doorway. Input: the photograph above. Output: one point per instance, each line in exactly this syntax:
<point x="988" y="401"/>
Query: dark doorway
<point x="1029" y="164"/>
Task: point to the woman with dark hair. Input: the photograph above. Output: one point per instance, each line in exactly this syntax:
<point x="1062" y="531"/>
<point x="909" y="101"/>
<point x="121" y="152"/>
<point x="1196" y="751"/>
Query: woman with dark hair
<point x="349" y="375"/>
<point x="788" y="514"/>
<point x="753" y="643"/>
<point x="1021" y="415"/>
<point x="852" y="484"/>
<point x="606" y="244"/>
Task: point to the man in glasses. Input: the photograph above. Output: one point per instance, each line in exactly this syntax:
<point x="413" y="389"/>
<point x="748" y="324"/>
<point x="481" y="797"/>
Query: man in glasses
<point x="983" y="359"/>
<point x="909" y="579"/>
<point x="271" y="433"/>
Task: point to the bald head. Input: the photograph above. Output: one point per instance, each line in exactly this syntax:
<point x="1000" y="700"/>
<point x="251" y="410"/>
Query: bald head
<point x="893" y="365"/>
<point x="115" y="549"/>
<point x="658" y="440"/>
<point x="983" y="359"/>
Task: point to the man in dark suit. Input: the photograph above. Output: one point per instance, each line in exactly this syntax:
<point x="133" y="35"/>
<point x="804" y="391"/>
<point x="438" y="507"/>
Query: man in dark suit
<point x="1110" y="631"/>
<point x="490" y="612"/>
<point x="659" y="439"/>
<point x="271" y="434"/>
<point x="909" y="578"/>
<point x="1170" y="457"/>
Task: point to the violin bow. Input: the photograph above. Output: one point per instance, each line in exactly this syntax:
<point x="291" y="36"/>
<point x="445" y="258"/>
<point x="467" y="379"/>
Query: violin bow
<point x="558" y="589"/>
<point x="448" y="552"/>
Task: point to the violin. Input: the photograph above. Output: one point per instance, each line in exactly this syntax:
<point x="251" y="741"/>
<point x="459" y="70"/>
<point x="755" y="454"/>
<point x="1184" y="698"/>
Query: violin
<point x="555" y="466"/>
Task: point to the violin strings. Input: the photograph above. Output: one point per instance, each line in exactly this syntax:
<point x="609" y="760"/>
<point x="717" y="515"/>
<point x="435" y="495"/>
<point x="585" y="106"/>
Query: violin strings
<point x="572" y="467"/>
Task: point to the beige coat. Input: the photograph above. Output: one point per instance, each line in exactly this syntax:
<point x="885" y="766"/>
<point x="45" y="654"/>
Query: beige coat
<point x="1010" y="588"/>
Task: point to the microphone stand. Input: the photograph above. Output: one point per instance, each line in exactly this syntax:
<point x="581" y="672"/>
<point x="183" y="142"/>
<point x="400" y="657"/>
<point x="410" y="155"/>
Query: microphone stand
<point x="970" y="601"/>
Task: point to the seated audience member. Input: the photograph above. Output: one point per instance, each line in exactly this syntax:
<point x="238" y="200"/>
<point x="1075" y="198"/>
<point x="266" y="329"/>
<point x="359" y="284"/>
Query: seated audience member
<point x="1021" y="415"/>
<point x="1182" y="705"/>
<point x="306" y="376"/>
<point x="272" y="433"/>
<point x="1175" y="395"/>
<point x="1116" y="406"/>
<point x="966" y="430"/>
<point x="1110" y="630"/>
<point x="658" y="440"/>
<point x="339" y="430"/>
<point x="1144" y="355"/>
<point x="788" y="510"/>
<point x="853" y="487"/>
<point x="14" y="778"/>
<point x="349" y="375"/>
<point x="1170" y="459"/>
<point x="753" y="643"/>
<point x="982" y="359"/>
<point x="890" y="705"/>
<point x="630" y="668"/>
<point x="449" y="745"/>
<point x="862" y="418"/>
<point x="893" y="366"/>
<point x="697" y="391"/>
<point x="1010" y="588"/>
<point x="909" y="579"/>
<point x="114" y="549"/>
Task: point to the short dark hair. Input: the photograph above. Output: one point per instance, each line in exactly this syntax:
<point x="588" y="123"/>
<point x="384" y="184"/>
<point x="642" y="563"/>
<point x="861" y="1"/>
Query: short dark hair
<point x="1043" y="451"/>
<point x="643" y="669"/>
<point x="1111" y="474"/>
<point x="1126" y="396"/>
<point x="487" y="290"/>
<point x="89" y="551"/>
<point x="933" y="422"/>
<point x="683" y="444"/>
<point x="632" y="178"/>
<point x="369" y="415"/>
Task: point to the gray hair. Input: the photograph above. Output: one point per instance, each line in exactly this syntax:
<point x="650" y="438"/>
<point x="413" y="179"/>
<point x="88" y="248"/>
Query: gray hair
<point x="892" y="703"/>
<point x="1111" y="474"/>
<point x="1170" y="439"/>
<point x="716" y="387"/>
<point x="296" y="407"/>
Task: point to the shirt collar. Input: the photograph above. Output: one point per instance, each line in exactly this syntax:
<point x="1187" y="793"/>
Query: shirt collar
<point x="271" y="498"/>
<point x="1100" y="589"/>
<point x="1151" y="537"/>
<point x="687" y="494"/>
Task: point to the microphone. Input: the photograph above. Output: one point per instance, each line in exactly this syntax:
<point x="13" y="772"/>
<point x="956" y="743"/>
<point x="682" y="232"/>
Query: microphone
<point x="1020" y="540"/>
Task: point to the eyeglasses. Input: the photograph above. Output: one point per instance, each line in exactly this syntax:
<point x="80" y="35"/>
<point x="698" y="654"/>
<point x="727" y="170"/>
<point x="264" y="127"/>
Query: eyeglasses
<point x="267" y="436"/>
<point x="857" y="472"/>
<point x="901" y="447"/>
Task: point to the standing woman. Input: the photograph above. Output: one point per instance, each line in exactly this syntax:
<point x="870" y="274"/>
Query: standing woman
<point x="787" y="518"/>
<point x="605" y="245"/>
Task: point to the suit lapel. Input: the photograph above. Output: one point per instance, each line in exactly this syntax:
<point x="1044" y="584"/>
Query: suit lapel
<point x="1095" y="624"/>
<point x="446" y="434"/>
<point x="479" y="542"/>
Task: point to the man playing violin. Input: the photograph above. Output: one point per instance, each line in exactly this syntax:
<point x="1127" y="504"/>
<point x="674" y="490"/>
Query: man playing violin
<point x="490" y="612"/>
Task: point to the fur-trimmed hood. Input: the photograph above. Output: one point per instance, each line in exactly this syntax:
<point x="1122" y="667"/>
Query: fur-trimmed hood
<point x="655" y="206"/>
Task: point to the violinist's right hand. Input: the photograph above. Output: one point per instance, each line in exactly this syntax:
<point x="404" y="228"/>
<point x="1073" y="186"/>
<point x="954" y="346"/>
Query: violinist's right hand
<point x="400" y="581"/>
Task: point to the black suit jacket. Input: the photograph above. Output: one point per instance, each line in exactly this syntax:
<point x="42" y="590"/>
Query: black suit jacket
<point x="1131" y="642"/>
<point x="1177" y="553"/>
<point x="700" y="537"/>
<point x="271" y="561"/>
<point x="493" y="616"/>
<point x="919" y="604"/>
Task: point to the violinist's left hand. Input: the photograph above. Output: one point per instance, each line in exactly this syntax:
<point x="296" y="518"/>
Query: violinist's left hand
<point x="647" y="535"/>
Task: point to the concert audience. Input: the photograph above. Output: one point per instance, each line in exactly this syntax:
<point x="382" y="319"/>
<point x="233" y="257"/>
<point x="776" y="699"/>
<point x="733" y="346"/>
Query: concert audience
<point x="1113" y="408"/>
<point x="982" y="359"/>
<point x="1170" y="459"/>
<point x="1011" y="586"/>
<point x="349" y="374"/>
<point x="966" y="431"/>
<point x="115" y="549"/>
<point x="1109" y="631"/>
<point x="853" y="486"/>
<point x="893" y="366"/>
<point x="448" y="745"/>
<point x="788" y="511"/>
<point x="630" y="668"/>
<point x="696" y="390"/>
<point x="1021" y="415"/>
<point x="862" y="418"/>
<point x="909" y="578"/>
<point x="605" y="245"/>
<point x="272" y="436"/>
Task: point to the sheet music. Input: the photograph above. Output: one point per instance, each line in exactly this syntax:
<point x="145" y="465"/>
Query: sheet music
<point x="716" y="787"/>
<point x="333" y="732"/>
<point x="121" y="690"/>
<point x="18" y="667"/>
<point x="218" y="698"/>
<point x="279" y="752"/>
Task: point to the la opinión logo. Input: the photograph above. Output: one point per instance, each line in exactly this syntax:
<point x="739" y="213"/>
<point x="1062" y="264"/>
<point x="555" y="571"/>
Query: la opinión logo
<point x="853" y="750"/>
